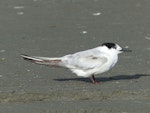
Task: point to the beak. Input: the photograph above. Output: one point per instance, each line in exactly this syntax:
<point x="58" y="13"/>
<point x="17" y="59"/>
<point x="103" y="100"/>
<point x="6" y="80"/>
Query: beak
<point x="125" y="50"/>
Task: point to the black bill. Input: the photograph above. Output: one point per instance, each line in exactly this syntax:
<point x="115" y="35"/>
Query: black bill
<point x="126" y="50"/>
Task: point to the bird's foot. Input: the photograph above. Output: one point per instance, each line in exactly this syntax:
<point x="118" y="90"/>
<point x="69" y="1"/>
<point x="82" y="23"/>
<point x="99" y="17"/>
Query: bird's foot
<point x="95" y="82"/>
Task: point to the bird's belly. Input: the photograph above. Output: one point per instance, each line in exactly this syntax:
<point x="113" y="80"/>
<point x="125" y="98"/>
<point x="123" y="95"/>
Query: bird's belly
<point x="96" y="70"/>
<point x="101" y="69"/>
<point x="89" y="72"/>
<point x="105" y="67"/>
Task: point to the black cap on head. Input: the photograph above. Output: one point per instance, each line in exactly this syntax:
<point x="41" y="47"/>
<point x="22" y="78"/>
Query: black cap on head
<point x="109" y="45"/>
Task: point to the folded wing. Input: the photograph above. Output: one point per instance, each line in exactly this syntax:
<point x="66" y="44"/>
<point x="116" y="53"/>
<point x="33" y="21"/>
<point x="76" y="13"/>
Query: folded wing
<point x="86" y="59"/>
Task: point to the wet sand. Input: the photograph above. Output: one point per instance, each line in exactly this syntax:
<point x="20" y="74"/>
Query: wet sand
<point x="56" y="28"/>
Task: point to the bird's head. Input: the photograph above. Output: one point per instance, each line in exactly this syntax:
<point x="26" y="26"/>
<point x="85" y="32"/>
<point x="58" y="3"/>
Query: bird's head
<point x="115" y="48"/>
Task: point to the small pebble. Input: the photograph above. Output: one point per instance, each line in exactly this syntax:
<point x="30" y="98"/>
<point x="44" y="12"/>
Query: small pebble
<point x="96" y="14"/>
<point x="84" y="32"/>
<point x="117" y="82"/>
<point x="18" y="7"/>
<point x="28" y="70"/>
<point x="20" y="13"/>
<point x="126" y="46"/>
<point x="2" y="59"/>
<point x="148" y="38"/>
<point x="2" y="51"/>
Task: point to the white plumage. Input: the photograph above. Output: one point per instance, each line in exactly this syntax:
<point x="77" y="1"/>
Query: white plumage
<point x="85" y="63"/>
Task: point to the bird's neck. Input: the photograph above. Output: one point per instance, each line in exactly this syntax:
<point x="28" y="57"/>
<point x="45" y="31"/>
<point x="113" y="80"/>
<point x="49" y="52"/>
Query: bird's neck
<point x="112" y="53"/>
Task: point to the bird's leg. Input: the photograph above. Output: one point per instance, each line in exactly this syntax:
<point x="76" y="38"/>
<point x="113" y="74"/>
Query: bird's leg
<point x="93" y="80"/>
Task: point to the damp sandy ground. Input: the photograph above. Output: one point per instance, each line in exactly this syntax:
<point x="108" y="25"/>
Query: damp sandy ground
<point x="59" y="27"/>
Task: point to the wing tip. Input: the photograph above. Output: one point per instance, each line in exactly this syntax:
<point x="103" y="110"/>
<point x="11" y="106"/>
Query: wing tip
<point x="31" y="58"/>
<point x="26" y="57"/>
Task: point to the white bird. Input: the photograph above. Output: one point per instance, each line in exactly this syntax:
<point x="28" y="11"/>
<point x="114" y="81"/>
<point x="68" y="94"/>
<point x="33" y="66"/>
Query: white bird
<point x="85" y="63"/>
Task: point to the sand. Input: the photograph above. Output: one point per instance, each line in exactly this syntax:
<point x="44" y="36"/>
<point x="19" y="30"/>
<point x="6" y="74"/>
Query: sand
<point x="56" y="28"/>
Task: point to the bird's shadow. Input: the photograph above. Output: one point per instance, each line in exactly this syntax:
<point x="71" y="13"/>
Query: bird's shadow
<point x="105" y="79"/>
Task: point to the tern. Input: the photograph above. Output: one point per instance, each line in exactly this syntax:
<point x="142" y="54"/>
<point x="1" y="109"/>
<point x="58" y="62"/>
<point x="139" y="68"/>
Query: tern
<point x="86" y="63"/>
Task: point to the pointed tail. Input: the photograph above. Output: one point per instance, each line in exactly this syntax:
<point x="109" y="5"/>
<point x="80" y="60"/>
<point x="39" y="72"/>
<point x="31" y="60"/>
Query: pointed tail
<point x="43" y="60"/>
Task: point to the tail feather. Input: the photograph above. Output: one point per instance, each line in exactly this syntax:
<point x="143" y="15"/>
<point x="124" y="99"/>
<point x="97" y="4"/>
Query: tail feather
<point x="43" y="60"/>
